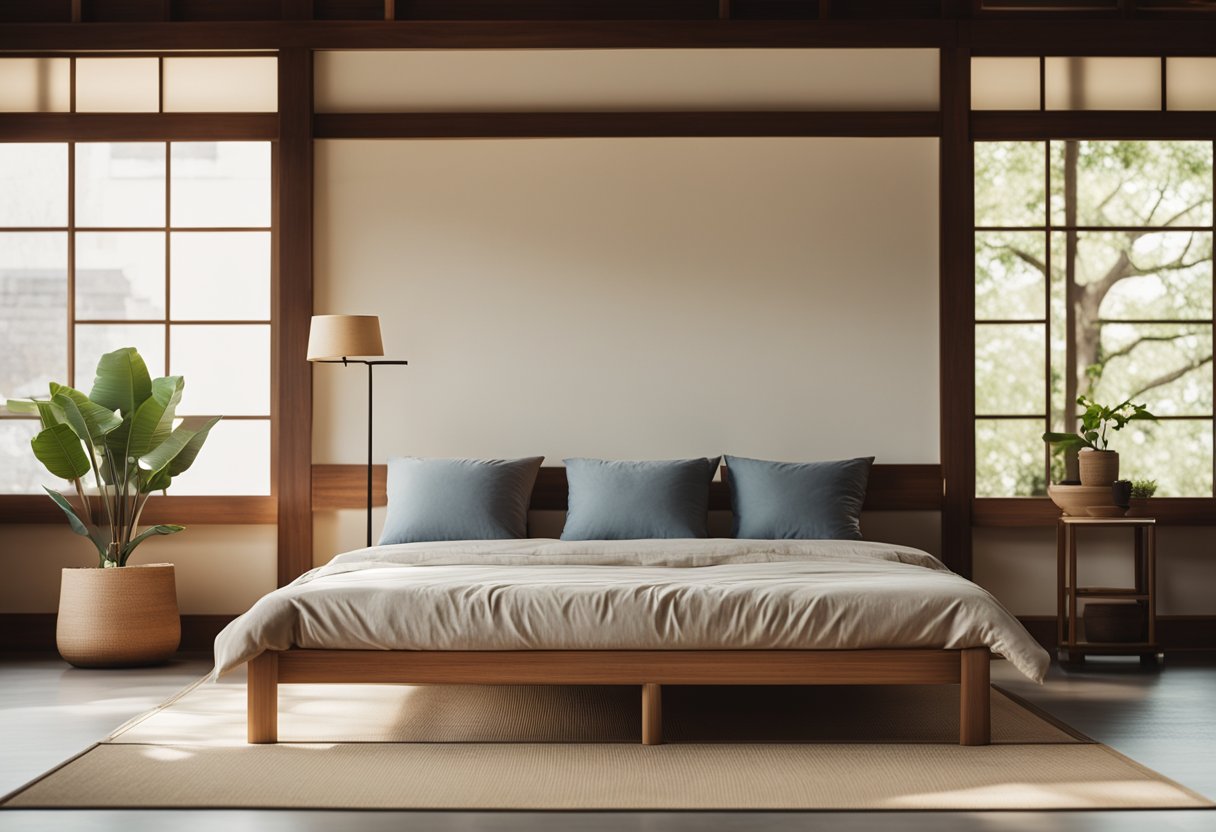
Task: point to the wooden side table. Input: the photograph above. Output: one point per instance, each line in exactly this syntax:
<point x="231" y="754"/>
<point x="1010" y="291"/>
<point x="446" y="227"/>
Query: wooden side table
<point x="1071" y="648"/>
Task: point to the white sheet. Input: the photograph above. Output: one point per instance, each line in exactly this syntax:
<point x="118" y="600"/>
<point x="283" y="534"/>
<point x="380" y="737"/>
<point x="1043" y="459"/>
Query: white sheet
<point x="630" y="595"/>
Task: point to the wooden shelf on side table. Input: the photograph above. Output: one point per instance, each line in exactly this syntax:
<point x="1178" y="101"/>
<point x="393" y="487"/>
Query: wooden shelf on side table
<point x="1071" y="648"/>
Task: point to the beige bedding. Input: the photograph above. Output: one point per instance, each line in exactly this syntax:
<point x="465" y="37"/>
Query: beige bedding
<point x="630" y="595"/>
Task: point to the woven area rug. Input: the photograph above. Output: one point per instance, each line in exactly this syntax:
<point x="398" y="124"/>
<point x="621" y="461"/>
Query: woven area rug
<point x="509" y="747"/>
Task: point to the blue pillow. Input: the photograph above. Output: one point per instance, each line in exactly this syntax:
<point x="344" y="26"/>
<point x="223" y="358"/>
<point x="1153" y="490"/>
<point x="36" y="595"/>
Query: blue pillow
<point x="458" y="499"/>
<point x="797" y="500"/>
<point x="632" y="500"/>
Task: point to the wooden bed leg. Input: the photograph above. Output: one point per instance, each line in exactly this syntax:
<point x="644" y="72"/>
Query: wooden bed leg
<point x="263" y="698"/>
<point x="975" y="698"/>
<point x="652" y="714"/>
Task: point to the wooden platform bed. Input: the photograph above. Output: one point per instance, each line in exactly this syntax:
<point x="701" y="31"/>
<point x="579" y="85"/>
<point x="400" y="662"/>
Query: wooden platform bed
<point x="651" y="669"/>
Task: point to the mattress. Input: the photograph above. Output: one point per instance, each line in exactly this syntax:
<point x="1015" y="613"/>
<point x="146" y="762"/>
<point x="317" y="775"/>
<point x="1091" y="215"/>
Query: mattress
<point x="715" y="594"/>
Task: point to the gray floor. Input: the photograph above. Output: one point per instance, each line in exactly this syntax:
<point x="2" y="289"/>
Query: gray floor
<point x="1164" y="719"/>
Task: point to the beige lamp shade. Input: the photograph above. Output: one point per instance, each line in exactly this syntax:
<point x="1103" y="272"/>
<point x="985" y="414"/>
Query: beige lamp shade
<point x="344" y="336"/>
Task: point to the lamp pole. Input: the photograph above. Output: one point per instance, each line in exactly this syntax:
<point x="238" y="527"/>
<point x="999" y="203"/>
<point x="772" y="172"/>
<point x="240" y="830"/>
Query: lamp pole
<point x="371" y="365"/>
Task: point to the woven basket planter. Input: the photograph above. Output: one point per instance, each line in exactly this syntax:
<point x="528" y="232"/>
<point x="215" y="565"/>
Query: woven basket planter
<point x="119" y="617"/>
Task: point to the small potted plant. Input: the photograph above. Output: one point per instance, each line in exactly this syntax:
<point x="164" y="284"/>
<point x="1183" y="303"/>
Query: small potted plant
<point x="1098" y="464"/>
<point x="120" y="439"/>
<point x="1141" y="491"/>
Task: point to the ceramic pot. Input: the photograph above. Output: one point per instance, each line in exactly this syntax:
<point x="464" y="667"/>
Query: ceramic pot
<point x="1098" y="468"/>
<point x="1121" y="493"/>
<point x="125" y="616"/>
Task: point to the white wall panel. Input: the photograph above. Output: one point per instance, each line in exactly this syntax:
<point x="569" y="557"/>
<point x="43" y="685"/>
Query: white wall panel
<point x="626" y="79"/>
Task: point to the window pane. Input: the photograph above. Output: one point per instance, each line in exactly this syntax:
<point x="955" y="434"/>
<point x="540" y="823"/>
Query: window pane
<point x="1190" y="83"/>
<point x="1004" y="83"/>
<point x="220" y="184"/>
<point x="199" y="85"/>
<point x="95" y="340"/>
<point x="1133" y="183"/>
<point x="33" y="312"/>
<point x="35" y="85"/>
<point x="1010" y="178"/>
<point x="1010" y="283"/>
<point x="227" y="369"/>
<point x="221" y="276"/>
<point x="1103" y="83"/>
<point x="1010" y="362"/>
<point x="120" y="275"/>
<point x="1010" y="458"/>
<point x="1177" y="454"/>
<point x="1167" y="367"/>
<point x="117" y="85"/>
<point x="20" y="472"/>
<point x="33" y="185"/>
<point x="120" y="185"/>
<point x="1140" y="275"/>
<point x="235" y="460"/>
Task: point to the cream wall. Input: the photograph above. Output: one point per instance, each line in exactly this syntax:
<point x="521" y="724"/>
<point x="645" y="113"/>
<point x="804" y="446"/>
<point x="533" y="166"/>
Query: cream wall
<point x="219" y="569"/>
<point x="540" y="80"/>
<point x="635" y="298"/>
<point x="1019" y="566"/>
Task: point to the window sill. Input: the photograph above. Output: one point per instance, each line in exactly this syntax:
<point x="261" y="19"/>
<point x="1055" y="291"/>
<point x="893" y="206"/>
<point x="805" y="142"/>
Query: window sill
<point x="236" y="510"/>
<point x="989" y="512"/>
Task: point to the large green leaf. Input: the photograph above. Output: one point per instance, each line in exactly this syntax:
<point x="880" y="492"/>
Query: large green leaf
<point x="178" y="451"/>
<point x="48" y="413"/>
<point x="91" y="422"/>
<point x="122" y="381"/>
<point x="144" y="535"/>
<point x="153" y="420"/>
<point x="78" y="525"/>
<point x="59" y="449"/>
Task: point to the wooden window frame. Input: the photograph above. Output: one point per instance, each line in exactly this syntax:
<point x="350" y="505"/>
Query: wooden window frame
<point x="1047" y="126"/>
<point x="72" y="128"/>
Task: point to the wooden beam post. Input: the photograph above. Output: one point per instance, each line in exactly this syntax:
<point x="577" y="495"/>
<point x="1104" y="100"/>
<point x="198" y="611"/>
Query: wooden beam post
<point x="262" y="693"/>
<point x="293" y="312"/>
<point x="975" y="697"/>
<point x="957" y="309"/>
<point x="652" y="714"/>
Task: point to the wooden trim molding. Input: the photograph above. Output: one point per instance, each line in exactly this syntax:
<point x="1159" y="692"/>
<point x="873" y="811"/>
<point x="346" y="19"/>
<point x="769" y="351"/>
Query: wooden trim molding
<point x="998" y="512"/>
<point x="482" y="34"/>
<point x="1033" y="125"/>
<point x="292" y="298"/>
<point x="1175" y="633"/>
<point x="892" y="488"/>
<point x="622" y="124"/>
<point x="35" y="632"/>
<point x="37" y="508"/>
<point x="117" y="127"/>
<point x="956" y="309"/>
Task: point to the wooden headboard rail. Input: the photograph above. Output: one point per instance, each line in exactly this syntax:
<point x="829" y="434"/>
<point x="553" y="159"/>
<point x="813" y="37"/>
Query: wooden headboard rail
<point x="892" y="488"/>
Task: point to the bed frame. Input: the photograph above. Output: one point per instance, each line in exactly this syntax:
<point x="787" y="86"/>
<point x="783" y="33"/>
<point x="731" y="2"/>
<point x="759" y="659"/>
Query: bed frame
<point x="651" y="669"/>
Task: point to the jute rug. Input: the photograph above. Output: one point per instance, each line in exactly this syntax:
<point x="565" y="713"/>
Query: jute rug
<point x="507" y="747"/>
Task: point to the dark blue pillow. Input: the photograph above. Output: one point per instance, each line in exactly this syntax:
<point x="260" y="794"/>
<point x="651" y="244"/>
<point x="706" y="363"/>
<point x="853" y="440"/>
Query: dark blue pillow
<point x="797" y="500"/>
<point x="633" y="500"/>
<point x="458" y="499"/>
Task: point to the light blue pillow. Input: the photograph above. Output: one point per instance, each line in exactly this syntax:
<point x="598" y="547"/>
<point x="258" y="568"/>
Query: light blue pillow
<point x="458" y="499"/>
<point x="633" y="500"/>
<point x="797" y="500"/>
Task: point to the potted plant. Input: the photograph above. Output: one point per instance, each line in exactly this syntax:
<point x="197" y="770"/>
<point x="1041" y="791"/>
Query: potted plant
<point x="1141" y="491"/>
<point x="1098" y="464"/>
<point x="121" y="440"/>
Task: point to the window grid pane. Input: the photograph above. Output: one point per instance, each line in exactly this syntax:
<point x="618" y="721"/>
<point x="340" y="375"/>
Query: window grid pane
<point x="118" y="246"/>
<point x="1147" y="248"/>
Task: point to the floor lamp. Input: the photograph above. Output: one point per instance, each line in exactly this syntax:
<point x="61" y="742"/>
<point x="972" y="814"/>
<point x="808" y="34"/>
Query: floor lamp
<point x="332" y="339"/>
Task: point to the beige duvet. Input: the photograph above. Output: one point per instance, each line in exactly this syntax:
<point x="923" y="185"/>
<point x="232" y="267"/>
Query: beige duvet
<point x="630" y="595"/>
